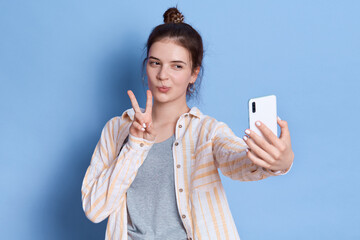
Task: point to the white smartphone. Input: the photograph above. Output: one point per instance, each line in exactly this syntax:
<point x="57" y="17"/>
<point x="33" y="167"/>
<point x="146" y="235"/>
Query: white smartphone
<point x="265" y="110"/>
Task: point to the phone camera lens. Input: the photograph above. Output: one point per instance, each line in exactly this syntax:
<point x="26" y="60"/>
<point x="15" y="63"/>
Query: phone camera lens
<point x="253" y="107"/>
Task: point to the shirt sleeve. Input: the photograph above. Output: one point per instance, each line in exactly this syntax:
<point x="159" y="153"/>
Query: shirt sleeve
<point x="108" y="176"/>
<point x="230" y="156"/>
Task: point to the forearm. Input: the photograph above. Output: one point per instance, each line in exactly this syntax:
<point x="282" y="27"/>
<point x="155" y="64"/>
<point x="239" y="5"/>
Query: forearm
<point x="102" y="194"/>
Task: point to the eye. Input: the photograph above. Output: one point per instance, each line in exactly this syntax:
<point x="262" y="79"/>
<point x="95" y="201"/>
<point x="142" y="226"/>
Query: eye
<point x="178" y="66"/>
<point x="153" y="63"/>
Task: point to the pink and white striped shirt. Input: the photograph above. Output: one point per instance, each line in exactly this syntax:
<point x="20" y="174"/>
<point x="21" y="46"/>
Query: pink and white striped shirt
<point x="202" y="146"/>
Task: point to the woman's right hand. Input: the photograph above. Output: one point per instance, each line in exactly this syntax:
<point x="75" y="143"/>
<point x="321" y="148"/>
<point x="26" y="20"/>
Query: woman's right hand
<point x="137" y="128"/>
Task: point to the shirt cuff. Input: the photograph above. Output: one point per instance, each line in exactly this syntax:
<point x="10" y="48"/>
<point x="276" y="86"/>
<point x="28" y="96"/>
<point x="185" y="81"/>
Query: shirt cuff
<point x="139" y="144"/>
<point x="279" y="172"/>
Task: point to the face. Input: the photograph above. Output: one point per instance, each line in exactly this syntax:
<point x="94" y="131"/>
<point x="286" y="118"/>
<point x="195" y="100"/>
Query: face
<point x="169" y="65"/>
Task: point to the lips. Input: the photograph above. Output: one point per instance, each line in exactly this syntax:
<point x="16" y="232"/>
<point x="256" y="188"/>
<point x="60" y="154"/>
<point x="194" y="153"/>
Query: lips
<point x="163" y="89"/>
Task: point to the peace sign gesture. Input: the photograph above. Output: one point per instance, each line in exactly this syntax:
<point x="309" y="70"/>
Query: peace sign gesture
<point x="142" y="125"/>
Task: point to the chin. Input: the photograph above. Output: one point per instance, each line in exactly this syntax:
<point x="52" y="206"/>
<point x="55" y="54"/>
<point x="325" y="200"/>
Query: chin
<point x="162" y="99"/>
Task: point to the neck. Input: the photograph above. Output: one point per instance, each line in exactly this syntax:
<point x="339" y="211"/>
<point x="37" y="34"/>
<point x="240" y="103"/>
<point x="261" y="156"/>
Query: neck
<point x="168" y="112"/>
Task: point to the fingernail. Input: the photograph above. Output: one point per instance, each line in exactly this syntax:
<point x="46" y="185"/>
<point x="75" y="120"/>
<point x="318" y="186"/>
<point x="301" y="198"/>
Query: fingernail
<point x="279" y="118"/>
<point x="247" y="131"/>
<point x="144" y="125"/>
<point x="258" y="123"/>
<point x="245" y="138"/>
<point x="142" y="129"/>
<point x="247" y="150"/>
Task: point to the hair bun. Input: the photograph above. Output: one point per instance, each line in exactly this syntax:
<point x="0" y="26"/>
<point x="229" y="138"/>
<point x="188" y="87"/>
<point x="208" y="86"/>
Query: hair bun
<point x="172" y="15"/>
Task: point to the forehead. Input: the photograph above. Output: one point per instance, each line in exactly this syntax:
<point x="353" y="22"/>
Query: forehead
<point x="168" y="50"/>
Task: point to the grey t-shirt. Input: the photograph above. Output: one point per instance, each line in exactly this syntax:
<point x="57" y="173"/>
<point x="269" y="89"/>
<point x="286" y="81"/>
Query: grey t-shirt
<point x="151" y="199"/>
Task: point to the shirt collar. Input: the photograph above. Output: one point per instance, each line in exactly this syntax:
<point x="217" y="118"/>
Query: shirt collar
<point x="194" y="111"/>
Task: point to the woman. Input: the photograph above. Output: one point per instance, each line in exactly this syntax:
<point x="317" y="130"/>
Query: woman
<point x="154" y="172"/>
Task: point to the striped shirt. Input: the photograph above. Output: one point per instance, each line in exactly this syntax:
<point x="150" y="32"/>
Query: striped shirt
<point x="202" y="146"/>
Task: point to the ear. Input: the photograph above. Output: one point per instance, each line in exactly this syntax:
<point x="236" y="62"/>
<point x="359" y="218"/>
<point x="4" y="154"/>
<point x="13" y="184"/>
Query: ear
<point x="195" y="74"/>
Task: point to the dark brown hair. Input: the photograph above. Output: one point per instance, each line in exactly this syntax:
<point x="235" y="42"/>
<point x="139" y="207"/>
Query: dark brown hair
<point x="183" y="34"/>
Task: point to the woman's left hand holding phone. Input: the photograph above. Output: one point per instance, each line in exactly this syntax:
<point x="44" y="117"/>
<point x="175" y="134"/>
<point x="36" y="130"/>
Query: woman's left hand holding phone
<point x="270" y="151"/>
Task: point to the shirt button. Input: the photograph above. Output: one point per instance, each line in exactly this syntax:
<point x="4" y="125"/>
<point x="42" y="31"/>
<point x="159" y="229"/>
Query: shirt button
<point x="178" y="166"/>
<point x="183" y="216"/>
<point x="180" y="126"/>
<point x="176" y="143"/>
<point x="141" y="144"/>
<point x="180" y="189"/>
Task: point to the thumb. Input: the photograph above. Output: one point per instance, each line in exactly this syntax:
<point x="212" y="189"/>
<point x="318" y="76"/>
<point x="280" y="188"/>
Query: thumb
<point x="284" y="128"/>
<point x="150" y="129"/>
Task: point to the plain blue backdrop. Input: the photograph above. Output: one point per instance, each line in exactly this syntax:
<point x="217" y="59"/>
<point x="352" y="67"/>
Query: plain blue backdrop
<point x="65" y="67"/>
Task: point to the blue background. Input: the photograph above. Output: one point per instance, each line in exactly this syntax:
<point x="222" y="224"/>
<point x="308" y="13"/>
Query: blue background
<point x="65" y="67"/>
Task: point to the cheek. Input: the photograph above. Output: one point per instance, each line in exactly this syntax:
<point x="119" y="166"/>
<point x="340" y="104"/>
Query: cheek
<point x="182" y="79"/>
<point x="150" y="73"/>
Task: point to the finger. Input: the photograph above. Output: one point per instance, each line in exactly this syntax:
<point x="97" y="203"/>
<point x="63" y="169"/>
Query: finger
<point x="257" y="160"/>
<point x="134" y="102"/>
<point x="138" y="126"/>
<point x="285" y="133"/>
<point x="259" y="152"/>
<point x="262" y="143"/>
<point x="140" y="118"/>
<point x="268" y="134"/>
<point x="150" y="129"/>
<point x="149" y="102"/>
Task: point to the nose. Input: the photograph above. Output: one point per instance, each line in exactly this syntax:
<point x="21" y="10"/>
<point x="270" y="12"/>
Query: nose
<point x="162" y="73"/>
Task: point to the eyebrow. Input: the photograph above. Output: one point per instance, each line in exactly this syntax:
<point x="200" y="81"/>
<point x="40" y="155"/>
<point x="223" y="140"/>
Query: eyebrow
<point x="171" y="61"/>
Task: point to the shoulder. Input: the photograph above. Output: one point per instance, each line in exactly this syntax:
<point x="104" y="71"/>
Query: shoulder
<point x="209" y="125"/>
<point x="214" y="127"/>
<point x="116" y="123"/>
<point x="208" y="121"/>
<point x="126" y="116"/>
